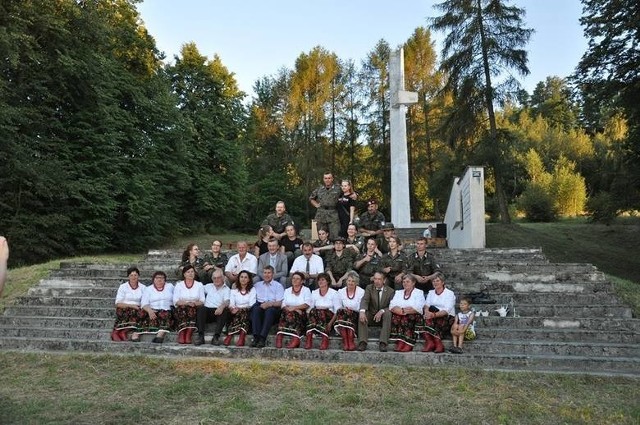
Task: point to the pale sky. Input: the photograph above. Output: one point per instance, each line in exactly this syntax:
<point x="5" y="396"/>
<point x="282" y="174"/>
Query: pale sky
<point x="255" y="38"/>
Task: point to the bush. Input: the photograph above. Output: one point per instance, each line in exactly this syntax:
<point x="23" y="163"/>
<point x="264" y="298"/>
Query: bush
<point x="537" y="204"/>
<point x="602" y="208"/>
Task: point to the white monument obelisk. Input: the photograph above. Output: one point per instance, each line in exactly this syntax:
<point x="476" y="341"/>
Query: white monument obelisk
<point x="400" y="204"/>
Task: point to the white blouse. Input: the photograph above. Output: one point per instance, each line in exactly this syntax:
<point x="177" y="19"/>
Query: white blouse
<point x="415" y="300"/>
<point x="193" y="294"/>
<point x="445" y="301"/>
<point x="293" y="300"/>
<point x="215" y="297"/>
<point x="126" y="295"/>
<point x="239" y="300"/>
<point x="158" y="300"/>
<point x="346" y="302"/>
<point x="330" y="300"/>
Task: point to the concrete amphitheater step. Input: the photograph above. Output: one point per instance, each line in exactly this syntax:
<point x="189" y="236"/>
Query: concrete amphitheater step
<point x="565" y="335"/>
<point x="57" y="322"/>
<point x="629" y="366"/>
<point x="589" y="323"/>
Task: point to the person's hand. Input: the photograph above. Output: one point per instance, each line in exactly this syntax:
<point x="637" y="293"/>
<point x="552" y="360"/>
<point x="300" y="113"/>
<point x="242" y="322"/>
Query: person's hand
<point x="378" y="316"/>
<point x="152" y="315"/>
<point x="219" y="311"/>
<point x="363" y="317"/>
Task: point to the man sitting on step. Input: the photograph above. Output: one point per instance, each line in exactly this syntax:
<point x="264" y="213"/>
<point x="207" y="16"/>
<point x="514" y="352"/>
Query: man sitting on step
<point x="374" y="311"/>
<point x="215" y="309"/>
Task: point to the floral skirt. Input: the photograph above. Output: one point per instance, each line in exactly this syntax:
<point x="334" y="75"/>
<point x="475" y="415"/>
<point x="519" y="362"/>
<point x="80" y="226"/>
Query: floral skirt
<point x="347" y="319"/>
<point x="440" y="327"/>
<point x="185" y="317"/>
<point x="239" y="322"/>
<point x="292" y="323"/>
<point x="403" y="327"/>
<point x="162" y="322"/>
<point x="129" y="319"/>
<point x="318" y="321"/>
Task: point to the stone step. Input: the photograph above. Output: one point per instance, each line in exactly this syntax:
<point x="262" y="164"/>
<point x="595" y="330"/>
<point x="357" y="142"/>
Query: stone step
<point x="570" y="348"/>
<point x="60" y="311"/>
<point x="589" y="323"/>
<point x="57" y="322"/>
<point x="545" y="298"/>
<point x="584" y="335"/>
<point x="561" y="310"/>
<point x="598" y="365"/>
<point x="523" y="287"/>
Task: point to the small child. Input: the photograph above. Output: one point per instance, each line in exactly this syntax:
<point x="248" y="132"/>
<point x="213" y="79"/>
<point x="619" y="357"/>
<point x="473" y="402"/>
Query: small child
<point x="463" y="326"/>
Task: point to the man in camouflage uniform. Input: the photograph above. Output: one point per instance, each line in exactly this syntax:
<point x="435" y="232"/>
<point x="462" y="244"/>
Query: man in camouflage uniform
<point x="325" y="199"/>
<point x="368" y="263"/>
<point x="339" y="263"/>
<point x="370" y="222"/>
<point x="388" y="230"/>
<point x="278" y="220"/>
<point x="423" y="265"/>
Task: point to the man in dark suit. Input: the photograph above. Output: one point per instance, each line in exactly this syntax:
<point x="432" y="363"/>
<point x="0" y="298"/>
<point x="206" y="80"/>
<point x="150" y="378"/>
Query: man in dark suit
<point x="374" y="311"/>
<point x="276" y="259"/>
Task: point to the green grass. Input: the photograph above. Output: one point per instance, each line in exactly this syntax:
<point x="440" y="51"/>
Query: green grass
<point x="69" y="388"/>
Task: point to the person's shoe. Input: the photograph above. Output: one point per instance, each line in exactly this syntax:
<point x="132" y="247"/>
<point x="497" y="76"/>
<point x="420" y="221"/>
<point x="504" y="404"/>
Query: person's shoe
<point x="198" y="340"/>
<point x="351" y="344"/>
<point x="157" y="340"/>
<point x="135" y="337"/>
<point x="382" y="347"/>
<point x="294" y="343"/>
<point x="215" y="340"/>
<point x="261" y="343"/>
<point x="254" y="342"/>
<point x="115" y="335"/>
<point x="279" y="339"/>
<point x="308" y="342"/>
<point x="439" y="346"/>
<point x="362" y="346"/>
<point x="181" y="337"/>
<point x="325" y="343"/>
<point x="399" y="346"/>
<point x="227" y="339"/>
<point x="406" y="348"/>
<point x="241" y="339"/>
<point x="429" y="344"/>
<point x="459" y="351"/>
<point x="188" y="339"/>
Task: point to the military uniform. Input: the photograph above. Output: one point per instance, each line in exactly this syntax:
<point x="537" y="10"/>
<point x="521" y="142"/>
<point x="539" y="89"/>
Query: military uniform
<point x="327" y="214"/>
<point x="323" y="254"/>
<point x="383" y="244"/>
<point x="367" y="271"/>
<point x="422" y="266"/>
<point x="198" y="266"/>
<point x="358" y="242"/>
<point x="371" y="222"/>
<point x="340" y="265"/>
<point x="398" y="265"/>
<point x="219" y="262"/>
<point x="278" y="223"/>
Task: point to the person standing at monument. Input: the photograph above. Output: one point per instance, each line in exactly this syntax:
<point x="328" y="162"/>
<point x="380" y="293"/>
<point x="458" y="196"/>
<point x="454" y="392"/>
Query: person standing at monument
<point x="325" y="199"/>
<point x="278" y="220"/>
<point x="4" y="259"/>
<point x="346" y="207"/>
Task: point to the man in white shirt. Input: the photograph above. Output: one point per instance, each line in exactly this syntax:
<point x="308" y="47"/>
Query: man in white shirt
<point x="214" y="309"/>
<point x="276" y="259"/>
<point x="308" y="263"/>
<point x="241" y="261"/>
<point x="266" y="311"/>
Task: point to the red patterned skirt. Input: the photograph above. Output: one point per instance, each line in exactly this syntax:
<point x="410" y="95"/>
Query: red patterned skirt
<point x="185" y="317"/>
<point x="239" y="322"/>
<point x="129" y="319"/>
<point x="162" y="322"/>
<point x="440" y="327"/>
<point x="347" y="319"/>
<point x="292" y="323"/>
<point x="318" y="320"/>
<point x="403" y="327"/>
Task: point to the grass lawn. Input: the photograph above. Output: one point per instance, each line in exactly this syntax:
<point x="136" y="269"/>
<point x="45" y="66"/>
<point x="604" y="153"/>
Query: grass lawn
<point x="73" y="388"/>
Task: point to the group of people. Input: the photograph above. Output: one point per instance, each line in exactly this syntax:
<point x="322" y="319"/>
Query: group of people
<point x="355" y="275"/>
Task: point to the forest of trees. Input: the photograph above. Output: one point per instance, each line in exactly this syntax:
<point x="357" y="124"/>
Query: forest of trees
<point x="105" y="144"/>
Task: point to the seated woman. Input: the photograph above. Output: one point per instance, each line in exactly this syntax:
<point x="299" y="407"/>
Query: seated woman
<point x="322" y="246"/>
<point x="187" y="296"/>
<point x="348" y="313"/>
<point x="406" y="308"/>
<point x="291" y="245"/>
<point x="190" y="257"/>
<point x="293" y="319"/>
<point x="264" y="234"/>
<point x="157" y="302"/>
<point x="325" y="302"/>
<point x="354" y="241"/>
<point x="242" y="298"/>
<point x="439" y="314"/>
<point x="129" y="315"/>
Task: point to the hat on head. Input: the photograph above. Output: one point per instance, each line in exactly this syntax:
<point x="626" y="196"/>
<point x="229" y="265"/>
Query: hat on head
<point x="372" y="201"/>
<point x="339" y="239"/>
<point x="388" y="226"/>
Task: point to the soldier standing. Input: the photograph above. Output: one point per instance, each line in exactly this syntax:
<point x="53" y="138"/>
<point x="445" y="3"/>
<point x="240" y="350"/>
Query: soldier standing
<point x="325" y="199"/>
